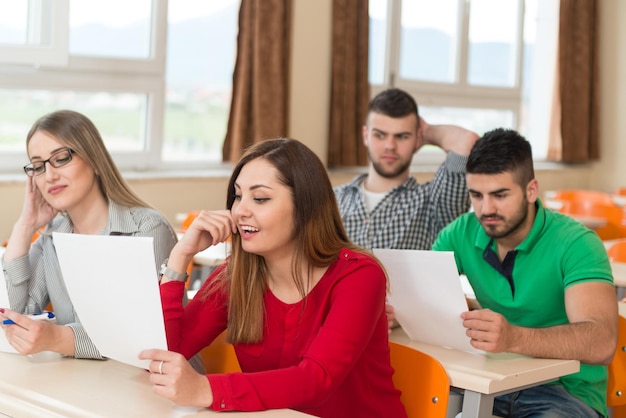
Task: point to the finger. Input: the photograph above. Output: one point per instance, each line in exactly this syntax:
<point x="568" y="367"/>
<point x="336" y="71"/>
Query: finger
<point x="157" y="355"/>
<point x="12" y="318"/>
<point x="219" y="229"/>
<point x="152" y="354"/>
<point x="157" y="367"/>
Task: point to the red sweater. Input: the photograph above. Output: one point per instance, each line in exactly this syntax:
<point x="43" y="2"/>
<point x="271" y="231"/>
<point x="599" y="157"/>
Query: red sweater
<point x="330" y="359"/>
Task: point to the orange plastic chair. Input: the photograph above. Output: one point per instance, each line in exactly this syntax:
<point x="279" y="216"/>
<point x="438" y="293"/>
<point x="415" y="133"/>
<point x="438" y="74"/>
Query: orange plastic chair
<point x="614" y="215"/>
<point x="620" y="191"/>
<point x="423" y="381"/>
<point x="183" y="227"/>
<point x="616" y="388"/>
<point x="188" y="220"/>
<point x="617" y="252"/>
<point x="582" y="195"/>
<point x="219" y="356"/>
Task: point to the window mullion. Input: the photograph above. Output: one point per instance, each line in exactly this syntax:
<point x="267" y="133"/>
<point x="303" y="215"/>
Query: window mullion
<point x="463" y="42"/>
<point x="519" y="59"/>
<point x="394" y="35"/>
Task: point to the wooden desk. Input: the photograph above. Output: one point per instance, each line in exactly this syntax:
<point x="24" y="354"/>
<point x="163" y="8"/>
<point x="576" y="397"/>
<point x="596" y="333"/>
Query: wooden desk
<point x="618" y="269"/>
<point x="63" y="387"/>
<point x="619" y="273"/>
<point x="590" y="222"/>
<point x="212" y="256"/>
<point x="483" y="377"/>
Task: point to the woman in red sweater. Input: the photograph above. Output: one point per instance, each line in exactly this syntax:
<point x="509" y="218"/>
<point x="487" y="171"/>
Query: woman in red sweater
<point x="304" y="308"/>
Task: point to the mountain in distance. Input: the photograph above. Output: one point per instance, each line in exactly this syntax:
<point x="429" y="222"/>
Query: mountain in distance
<point x="199" y="50"/>
<point x="427" y="54"/>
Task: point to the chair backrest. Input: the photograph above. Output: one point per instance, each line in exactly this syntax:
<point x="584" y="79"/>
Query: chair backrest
<point x="582" y="195"/>
<point x="616" y="388"/>
<point x="617" y="252"/>
<point x="423" y="381"/>
<point x="188" y="220"/>
<point x="219" y="356"/>
<point x="614" y="215"/>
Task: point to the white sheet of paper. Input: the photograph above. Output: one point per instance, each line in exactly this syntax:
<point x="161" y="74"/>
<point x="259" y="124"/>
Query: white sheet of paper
<point x="5" y="347"/>
<point x="427" y="296"/>
<point x="113" y="284"/>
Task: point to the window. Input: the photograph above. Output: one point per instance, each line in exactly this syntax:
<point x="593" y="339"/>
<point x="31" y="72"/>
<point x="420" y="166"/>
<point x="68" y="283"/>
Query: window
<point x="474" y="63"/>
<point x="155" y="79"/>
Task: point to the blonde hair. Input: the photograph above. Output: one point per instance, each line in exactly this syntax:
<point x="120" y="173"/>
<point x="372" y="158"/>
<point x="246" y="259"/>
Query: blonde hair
<point x="79" y="133"/>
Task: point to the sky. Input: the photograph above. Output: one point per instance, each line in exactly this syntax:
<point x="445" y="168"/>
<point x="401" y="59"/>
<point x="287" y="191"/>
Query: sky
<point x="490" y="22"/>
<point x="14" y="12"/>
<point x="492" y="19"/>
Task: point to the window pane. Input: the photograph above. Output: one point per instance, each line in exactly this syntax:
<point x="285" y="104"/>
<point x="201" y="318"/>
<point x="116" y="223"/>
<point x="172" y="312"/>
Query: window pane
<point x="377" y="37"/>
<point x="476" y="120"/>
<point x="112" y="28"/>
<point x="428" y="47"/>
<point x="118" y="116"/>
<point x="13" y="22"/>
<point x="492" y="43"/>
<point x="198" y="77"/>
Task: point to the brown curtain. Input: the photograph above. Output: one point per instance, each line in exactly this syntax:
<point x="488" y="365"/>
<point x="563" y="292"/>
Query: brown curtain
<point x="260" y="100"/>
<point x="578" y="82"/>
<point x="350" y="85"/>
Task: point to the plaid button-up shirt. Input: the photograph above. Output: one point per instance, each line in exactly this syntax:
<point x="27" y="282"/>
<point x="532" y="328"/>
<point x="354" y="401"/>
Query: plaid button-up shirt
<point x="411" y="215"/>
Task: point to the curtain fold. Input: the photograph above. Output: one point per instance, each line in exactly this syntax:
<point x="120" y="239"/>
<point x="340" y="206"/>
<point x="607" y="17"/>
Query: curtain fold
<point x="578" y="83"/>
<point x="350" y="91"/>
<point x="260" y="92"/>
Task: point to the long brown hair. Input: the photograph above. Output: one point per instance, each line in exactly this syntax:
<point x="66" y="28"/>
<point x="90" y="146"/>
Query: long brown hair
<point x="78" y="132"/>
<point x="318" y="231"/>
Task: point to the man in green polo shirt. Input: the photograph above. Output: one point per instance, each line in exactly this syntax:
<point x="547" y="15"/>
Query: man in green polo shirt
<point x="543" y="281"/>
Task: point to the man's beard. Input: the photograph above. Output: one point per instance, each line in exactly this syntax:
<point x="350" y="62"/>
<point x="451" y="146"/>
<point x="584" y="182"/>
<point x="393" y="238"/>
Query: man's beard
<point x="390" y="174"/>
<point x="517" y="222"/>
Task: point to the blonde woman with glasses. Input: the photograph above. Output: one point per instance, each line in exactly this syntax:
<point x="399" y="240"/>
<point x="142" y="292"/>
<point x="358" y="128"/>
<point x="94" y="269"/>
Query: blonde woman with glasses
<point x="71" y="174"/>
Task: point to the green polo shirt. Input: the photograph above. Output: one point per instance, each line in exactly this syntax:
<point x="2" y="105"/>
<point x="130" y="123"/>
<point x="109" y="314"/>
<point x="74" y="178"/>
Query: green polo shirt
<point x="557" y="253"/>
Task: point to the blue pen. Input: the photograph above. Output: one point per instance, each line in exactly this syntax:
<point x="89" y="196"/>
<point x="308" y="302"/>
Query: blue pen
<point x="35" y="317"/>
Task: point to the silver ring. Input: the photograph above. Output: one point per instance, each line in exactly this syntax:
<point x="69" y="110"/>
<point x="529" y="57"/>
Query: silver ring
<point x="161" y="367"/>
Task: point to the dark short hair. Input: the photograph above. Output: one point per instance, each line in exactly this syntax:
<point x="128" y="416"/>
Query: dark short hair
<point x="395" y="103"/>
<point x="502" y="150"/>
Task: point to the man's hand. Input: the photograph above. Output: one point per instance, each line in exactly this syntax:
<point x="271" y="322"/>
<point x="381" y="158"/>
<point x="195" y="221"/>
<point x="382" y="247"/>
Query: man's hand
<point x="489" y="331"/>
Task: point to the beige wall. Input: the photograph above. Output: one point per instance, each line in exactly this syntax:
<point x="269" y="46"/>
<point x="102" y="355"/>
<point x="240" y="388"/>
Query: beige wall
<point x="610" y="172"/>
<point x="309" y="121"/>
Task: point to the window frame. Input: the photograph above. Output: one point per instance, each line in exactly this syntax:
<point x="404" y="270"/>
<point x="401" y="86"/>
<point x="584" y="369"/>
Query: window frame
<point x="459" y="93"/>
<point x="85" y="74"/>
<point x="55" y="54"/>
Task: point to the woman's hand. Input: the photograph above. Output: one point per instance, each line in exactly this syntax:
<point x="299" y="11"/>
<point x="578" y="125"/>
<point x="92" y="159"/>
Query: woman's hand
<point x="175" y="379"/>
<point x="209" y="228"/>
<point x="36" y="212"/>
<point x="29" y="336"/>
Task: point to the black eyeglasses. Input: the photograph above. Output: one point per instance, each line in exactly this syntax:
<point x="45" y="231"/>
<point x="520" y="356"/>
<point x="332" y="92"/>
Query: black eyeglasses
<point x="56" y="160"/>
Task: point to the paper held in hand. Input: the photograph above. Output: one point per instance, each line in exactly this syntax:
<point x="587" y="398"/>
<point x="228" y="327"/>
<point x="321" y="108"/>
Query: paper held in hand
<point x="427" y="296"/>
<point x="113" y="283"/>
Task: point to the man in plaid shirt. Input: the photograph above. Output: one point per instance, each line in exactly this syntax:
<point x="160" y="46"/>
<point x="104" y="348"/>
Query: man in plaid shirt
<point x="386" y="207"/>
